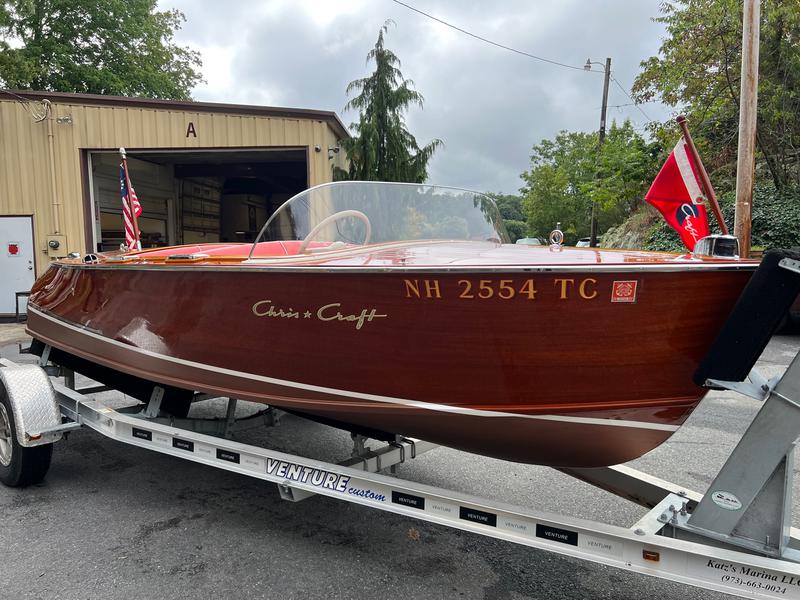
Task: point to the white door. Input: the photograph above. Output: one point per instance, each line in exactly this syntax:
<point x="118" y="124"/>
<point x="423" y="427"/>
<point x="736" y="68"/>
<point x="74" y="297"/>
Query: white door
<point x="16" y="261"/>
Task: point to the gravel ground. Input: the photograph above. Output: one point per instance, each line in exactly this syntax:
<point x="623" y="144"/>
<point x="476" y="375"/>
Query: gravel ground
<point x="117" y="522"/>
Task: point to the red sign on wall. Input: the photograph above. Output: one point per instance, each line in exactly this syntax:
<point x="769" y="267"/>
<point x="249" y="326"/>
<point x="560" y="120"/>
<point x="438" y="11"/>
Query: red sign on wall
<point x="13" y="248"/>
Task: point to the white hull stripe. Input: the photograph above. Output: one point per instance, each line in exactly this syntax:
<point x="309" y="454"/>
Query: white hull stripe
<point x="359" y="395"/>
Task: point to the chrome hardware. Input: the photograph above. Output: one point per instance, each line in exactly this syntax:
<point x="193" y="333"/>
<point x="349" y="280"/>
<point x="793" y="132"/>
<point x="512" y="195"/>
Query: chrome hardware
<point x="723" y="246"/>
<point x="556" y="236"/>
<point x="186" y="257"/>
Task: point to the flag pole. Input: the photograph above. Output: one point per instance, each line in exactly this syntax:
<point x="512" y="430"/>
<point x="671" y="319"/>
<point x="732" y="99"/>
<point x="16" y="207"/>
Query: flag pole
<point x="129" y="200"/>
<point x="704" y="180"/>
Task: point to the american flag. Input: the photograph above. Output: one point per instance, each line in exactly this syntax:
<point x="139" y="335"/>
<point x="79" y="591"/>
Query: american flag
<point x="131" y="233"/>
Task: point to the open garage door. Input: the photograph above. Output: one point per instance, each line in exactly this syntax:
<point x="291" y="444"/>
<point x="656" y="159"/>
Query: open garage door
<point x="194" y="196"/>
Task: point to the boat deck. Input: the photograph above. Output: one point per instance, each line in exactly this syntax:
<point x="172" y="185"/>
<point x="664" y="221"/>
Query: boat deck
<point x="423" y="253"/>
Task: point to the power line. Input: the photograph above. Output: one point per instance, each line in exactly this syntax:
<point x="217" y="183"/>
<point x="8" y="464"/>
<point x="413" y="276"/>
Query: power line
<point x="522" y="52"/>
<point x="488" y="41"/>
<point x="636" y="104"/>
<point x="21" y="99"/>
<point x="26" y="103"/>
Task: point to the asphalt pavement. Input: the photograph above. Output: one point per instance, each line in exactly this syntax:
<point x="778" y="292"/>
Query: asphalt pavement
<point x="115" y="522"/>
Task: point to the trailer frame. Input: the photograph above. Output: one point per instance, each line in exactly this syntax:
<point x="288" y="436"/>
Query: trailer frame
<point x="685" y="536"/>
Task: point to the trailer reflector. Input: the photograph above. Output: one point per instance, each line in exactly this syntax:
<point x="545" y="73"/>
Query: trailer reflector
<point x="651" y="555"/>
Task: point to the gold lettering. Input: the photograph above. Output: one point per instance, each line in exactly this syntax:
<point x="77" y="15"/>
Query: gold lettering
<point x="412" y="287"/>
<point x="431" y="288"/>
<point x="259" y="311"/>
<point x="506" y="291"/>
<point x="582" y="289"/>
<point x="485" y="289"/>
<point x="257" y="306"/>
<point x="565" y="283"/>
<point x="322" y="309"/>
<point x="529" y="288"/>
<point x="366" y="316"/>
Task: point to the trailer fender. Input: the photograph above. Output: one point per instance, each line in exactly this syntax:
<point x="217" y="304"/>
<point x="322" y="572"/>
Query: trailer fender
<point x="33" y="403"/>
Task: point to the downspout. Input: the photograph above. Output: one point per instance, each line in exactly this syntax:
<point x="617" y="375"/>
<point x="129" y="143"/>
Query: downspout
<point x="51" y="150"/>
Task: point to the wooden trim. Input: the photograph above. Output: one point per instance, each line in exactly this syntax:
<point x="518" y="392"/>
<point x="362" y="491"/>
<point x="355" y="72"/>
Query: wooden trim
<point x="329" y="117"/>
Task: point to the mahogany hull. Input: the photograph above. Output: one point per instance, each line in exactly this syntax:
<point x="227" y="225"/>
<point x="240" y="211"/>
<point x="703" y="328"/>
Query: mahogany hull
<point x="549" y="367"/>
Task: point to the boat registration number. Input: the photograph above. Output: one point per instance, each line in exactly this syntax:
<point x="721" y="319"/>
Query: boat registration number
<point x="563" y="288"/>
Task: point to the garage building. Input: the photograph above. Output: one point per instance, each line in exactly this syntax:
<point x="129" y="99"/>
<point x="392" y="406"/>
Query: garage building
<point x="203" y="172"/>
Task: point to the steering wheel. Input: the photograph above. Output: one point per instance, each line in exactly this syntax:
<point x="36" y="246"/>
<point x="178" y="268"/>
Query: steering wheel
<point x="342" y="214"/>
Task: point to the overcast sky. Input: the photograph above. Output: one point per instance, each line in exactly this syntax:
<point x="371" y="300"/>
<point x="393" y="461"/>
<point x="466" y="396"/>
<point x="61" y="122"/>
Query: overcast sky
<point x="488" y="105"/>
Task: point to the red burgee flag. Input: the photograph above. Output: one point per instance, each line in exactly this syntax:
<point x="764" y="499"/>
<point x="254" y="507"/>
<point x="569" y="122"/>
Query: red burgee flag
<point x="677" y="194"/>
<point x="129" y="199"/>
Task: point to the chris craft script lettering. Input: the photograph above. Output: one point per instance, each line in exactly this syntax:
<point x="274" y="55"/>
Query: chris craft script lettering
<point x="332" y="312"/>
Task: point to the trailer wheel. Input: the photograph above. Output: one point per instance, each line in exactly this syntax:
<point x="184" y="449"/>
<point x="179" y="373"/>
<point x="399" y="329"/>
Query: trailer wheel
<point x="19" y="466"/>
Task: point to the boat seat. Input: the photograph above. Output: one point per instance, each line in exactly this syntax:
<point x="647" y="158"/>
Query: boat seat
<point x="241" y="250"/>
<point x="290" y="248"/>
<point x="208" y="249"/>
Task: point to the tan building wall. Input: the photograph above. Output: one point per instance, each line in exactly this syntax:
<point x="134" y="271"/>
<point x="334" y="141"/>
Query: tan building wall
<point x="55" y="192"/>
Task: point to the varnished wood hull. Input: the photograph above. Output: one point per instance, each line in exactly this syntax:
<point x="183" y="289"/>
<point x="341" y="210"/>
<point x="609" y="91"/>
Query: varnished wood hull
<point x="558" y="371"/>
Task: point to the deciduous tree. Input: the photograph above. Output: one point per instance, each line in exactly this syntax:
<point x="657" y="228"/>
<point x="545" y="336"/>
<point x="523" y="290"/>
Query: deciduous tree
<point x="569" y="173"/>
<point x="698" y="68"/>
<point x="118" y="47"/>
<point x="513" y="212"/>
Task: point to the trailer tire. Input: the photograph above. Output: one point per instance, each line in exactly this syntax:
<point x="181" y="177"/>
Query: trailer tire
<point x="19" y="466"/>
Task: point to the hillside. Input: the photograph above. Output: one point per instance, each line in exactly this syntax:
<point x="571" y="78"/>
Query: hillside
<point x="634" y="232"/>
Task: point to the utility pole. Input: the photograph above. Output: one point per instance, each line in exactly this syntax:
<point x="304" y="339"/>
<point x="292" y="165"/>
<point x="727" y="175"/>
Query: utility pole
<point x="748" y="101"/>
<point x="602" y="138"/>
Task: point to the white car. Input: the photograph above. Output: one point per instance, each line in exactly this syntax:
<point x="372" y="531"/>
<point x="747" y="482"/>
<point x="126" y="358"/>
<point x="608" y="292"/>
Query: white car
<point x="531" y="241"/>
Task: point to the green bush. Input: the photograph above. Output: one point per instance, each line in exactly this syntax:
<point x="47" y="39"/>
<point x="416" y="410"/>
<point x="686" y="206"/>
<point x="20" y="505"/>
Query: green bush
<point x="775" y="214"/>
<point x="776" y="217"/>
<point x="516" y="229"/>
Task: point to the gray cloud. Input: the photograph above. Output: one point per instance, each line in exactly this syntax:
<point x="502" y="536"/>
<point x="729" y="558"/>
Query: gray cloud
<point x="488" y="105"/>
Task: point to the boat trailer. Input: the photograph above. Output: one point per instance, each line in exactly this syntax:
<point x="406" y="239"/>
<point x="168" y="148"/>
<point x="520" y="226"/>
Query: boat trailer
<point x="737" y="538"/>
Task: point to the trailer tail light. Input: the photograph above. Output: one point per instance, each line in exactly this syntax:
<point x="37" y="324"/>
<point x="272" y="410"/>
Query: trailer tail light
<point x="13" y="248"/>
<point x="651" y="555"/>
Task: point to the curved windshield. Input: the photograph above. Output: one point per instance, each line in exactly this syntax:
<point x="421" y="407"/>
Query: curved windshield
<point x="361" y="212"/>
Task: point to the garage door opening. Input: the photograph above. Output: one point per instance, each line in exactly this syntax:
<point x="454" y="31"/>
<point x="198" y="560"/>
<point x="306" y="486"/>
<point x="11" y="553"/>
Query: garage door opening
<point x="191" y="197"/>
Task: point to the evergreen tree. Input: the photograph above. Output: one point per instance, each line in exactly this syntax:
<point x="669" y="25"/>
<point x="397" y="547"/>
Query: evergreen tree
<point x="383" y="149"/>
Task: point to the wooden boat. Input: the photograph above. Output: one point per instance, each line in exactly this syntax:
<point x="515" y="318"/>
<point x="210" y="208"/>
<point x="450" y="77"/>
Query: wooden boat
<point x="396" y="308"/>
